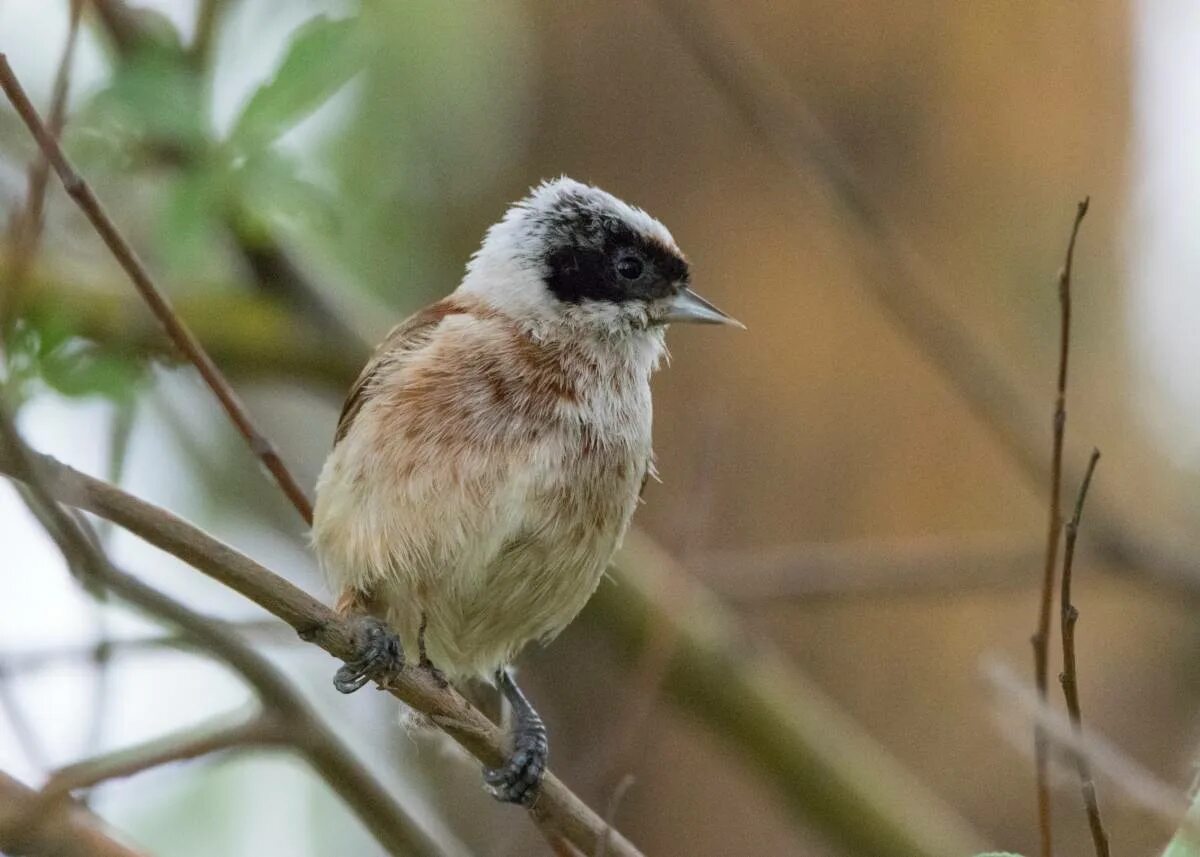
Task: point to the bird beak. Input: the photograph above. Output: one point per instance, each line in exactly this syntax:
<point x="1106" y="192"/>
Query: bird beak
<point x="687" y="306"/>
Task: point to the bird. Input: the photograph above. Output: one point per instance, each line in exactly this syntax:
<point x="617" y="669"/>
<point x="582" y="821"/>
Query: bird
<point x="489" y="458"/>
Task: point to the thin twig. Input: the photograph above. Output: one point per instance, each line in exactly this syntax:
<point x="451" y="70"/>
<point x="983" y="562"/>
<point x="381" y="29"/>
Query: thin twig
<point x="381" y="814"/>
<point x="28" y="221"/>
<point x="1069" y="677"/>
<point x="557" y="807"/>
<point x="1139" y="785"/>
<point x="191" y="743"/>
<point x="1041" y="638"/>
<point x="127" y="257"/>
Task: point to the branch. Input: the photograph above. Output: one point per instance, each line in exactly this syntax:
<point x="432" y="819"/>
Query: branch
<point x="1139" y="785"/>
<point x="1041" y="638"/>
<point x="28" y="221"/>
<point x="68" y="831"/>
<point x="377" y="810"/>
<point x="128" y="259"/>
<point x="558" y="809"/>
<point x="1069" y="677"/>
<point x="827" y="771"/>
<point x="183" y="745"/>
<point x="250" y="335"/>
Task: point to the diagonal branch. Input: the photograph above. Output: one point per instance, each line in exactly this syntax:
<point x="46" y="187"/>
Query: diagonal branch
<point x="826" y="770"/>
<point x="28" y="220"/>
<point x="1069" y="677"/>
<point x="191" y="743"/>
<point x="558" y="809"/>
<point x="385" y="818"/>
<point x="127" y="257"/>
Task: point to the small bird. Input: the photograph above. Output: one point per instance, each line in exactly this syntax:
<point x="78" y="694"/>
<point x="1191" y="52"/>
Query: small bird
<point x="490" y="455"/>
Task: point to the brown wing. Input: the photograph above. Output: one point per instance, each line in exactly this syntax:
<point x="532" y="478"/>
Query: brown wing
<point x="406" y="337"/>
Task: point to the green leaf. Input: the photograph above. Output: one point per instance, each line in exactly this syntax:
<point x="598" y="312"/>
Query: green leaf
<point x="155" y="94"/>
<point x="273" y="195"/>
<point x="82" y="369"/>
<point x="322" y="57"/>
<point x="187" y="228"/>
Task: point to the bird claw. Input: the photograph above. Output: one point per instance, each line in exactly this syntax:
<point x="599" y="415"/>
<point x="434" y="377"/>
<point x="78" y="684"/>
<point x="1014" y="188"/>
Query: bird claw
<point x="519" y="779"/>
<point x="380" y="655"/>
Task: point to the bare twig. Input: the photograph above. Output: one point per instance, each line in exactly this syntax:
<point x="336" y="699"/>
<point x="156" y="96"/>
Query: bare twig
<point x="191" y="743"/>
<point x="319" y="745"/>
<point x="1139" y="785"/>
<point x="28" y="221"/>
<point x="557" y="808"/>
<point x="69" y="831"/>
<point x="124" y="253"/>
<point x="1069" y="677"/>
<point x="1041" y="638"/>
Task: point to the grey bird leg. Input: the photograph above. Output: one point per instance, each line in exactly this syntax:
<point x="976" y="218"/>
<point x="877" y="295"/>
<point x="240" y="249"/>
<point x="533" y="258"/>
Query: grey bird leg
<point x="424" y="662"/>
<point x="379" y="655"/>
<point x="520" y="777"/>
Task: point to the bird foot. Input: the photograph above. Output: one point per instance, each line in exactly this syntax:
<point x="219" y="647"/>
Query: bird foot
<point x="379" y="655"/>
<point x="519" y="779"/>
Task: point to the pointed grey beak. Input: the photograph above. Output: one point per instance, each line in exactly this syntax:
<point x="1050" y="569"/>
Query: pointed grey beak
<point x="689" y="307"/>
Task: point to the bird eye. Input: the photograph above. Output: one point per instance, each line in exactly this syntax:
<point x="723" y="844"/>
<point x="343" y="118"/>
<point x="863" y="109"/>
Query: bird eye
<point x="629" y="267"/>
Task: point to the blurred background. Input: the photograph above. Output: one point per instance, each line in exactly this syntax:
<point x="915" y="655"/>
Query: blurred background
<point x="881" y="191"/>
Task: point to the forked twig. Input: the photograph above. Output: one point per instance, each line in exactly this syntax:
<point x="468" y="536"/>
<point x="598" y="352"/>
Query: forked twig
<point x="1041" y="638"/>
<point x="1069" y="677"/>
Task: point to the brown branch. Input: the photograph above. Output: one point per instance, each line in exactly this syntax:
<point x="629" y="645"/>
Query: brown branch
<point x="1069" y="677"/>
<point x="68" y="831"/>
<point x="1041" y="638"/>
<point x="822" y="766"/>
<point x="378" y="811"/>
<point x="127" y="257"/>
<point x="1139" y="785"/>
<point x="28" y="221"/>
<point x="191" y="743"/>
<point x="557" y="808"/>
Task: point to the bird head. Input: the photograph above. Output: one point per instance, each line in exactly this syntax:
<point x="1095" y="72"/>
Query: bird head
<point x="571" y="255"/>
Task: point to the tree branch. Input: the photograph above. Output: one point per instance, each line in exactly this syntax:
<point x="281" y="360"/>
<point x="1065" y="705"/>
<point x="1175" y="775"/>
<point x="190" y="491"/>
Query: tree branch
<point x="1069" y="677"/>
<point x="127" y="257"/>
<point x="377" y="810"/>
<point x="190" y="743"/>
<point x="557" y="808"/>
<point x="825" y="769"/>
<point x="28" y="221"/>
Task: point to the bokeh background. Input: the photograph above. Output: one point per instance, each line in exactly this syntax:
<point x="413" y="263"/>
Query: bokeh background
<point x="298" y="190"/>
